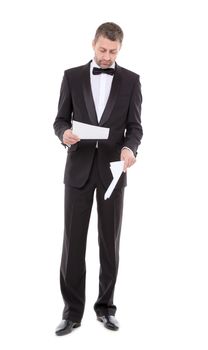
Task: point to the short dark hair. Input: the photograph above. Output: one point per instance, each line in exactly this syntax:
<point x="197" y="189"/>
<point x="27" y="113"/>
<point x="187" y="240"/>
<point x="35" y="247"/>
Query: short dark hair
<point x="109" y="30"/>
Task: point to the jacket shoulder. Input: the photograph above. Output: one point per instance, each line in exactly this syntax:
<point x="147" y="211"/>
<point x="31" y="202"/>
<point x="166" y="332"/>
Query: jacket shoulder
<point x="77" y="69"/>
<point x="128" y="73"/>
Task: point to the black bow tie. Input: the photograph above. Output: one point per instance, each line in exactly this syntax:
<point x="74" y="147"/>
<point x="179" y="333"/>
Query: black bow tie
<point x="97" y="71"/>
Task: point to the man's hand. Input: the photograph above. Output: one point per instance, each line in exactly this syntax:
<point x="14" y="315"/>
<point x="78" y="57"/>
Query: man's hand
<point x="69" y="138"/>
<point x="128" y="156"/>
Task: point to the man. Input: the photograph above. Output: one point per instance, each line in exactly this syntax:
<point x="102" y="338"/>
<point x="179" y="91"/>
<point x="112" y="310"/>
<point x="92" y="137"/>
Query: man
<point x="104" y="94"/>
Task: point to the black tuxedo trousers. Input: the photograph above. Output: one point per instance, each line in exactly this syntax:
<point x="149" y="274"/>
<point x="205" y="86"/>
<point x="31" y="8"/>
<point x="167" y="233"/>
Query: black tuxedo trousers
<point x="78" y="205"/>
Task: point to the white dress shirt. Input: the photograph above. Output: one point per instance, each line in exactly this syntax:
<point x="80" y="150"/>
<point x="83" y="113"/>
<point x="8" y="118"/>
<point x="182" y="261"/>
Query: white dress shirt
<point x="101" y="86"/>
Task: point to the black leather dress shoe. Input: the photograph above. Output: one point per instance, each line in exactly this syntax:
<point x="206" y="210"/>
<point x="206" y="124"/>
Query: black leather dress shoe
<point x="110" y="322"/>
<point x="66" y="326"/>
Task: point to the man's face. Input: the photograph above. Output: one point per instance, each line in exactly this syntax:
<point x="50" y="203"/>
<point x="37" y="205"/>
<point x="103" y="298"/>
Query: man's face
<point x="106" y="51"/>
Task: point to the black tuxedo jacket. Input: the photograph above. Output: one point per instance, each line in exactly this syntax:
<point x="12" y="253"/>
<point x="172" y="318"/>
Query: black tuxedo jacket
<point x="121" y="115"/>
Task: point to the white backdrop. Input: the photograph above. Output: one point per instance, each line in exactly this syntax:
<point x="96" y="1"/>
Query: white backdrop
<point x="162" y="286"/>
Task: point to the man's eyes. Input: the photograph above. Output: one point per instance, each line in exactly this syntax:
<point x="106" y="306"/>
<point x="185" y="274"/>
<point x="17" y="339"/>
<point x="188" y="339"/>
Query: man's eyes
<point x="113" y="52"/>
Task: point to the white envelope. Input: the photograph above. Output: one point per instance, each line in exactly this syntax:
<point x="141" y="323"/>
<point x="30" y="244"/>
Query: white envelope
<point x="90" y="132"/>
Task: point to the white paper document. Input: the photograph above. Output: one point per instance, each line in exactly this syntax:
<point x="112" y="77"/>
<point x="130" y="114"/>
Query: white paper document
<point x="116" y="169"/>
<point x="90" y="132"/>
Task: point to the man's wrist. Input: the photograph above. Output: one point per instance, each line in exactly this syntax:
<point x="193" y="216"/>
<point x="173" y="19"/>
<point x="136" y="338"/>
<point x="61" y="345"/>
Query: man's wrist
<point x="127" y="148"/>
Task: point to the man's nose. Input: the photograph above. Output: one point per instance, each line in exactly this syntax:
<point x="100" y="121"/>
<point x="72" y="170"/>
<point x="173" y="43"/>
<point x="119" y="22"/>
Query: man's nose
<point x="107" y="56"/>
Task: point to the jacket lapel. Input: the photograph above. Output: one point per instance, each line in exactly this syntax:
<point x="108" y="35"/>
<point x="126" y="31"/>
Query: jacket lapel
<point x="112" y="97"/>
<point x="88" y="95"/>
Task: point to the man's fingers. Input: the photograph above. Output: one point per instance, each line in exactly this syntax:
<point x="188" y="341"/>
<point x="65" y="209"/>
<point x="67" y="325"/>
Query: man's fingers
<point x="70" y="138"/>
<point x="70" y="141"/>
<point x="75" y="137"/>
<point x="128" y="162"/>
<point x="125" y="165"/>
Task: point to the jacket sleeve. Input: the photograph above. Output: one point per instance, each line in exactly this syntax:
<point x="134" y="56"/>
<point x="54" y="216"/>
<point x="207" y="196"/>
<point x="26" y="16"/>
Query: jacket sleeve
<point x="65" y="110"/>
<point x="134" y="131"/>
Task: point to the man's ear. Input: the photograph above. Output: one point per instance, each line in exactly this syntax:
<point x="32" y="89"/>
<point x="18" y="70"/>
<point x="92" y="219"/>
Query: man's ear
<point x="93" y="44"/>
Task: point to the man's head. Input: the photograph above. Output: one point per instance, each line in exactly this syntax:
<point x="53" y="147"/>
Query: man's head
<point x="107" y="43"/>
